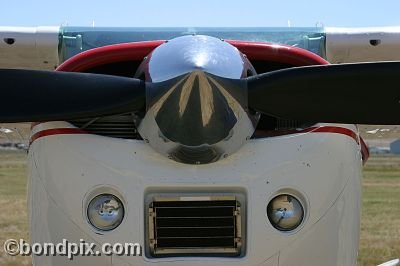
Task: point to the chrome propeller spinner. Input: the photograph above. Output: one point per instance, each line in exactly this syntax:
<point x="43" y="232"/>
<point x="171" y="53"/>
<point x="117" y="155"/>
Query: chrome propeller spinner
<point x="197" y="109"/>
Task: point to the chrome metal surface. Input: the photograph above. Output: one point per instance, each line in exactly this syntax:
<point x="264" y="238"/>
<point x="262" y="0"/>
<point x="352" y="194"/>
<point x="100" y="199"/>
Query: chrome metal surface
<point x="189" y="53"/>
<point x="285" y="212"/>
<point x="195" y="226"/>
<point x="196" y="101"/>
<point x="105" y="212"/>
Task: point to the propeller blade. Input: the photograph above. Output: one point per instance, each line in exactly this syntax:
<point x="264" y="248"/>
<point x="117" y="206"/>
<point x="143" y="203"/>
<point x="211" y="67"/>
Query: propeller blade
<point x="32" y="95"/>
<point x="363" y="93"/>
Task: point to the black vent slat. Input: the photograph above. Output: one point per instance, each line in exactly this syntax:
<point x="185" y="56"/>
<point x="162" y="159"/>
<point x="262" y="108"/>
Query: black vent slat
<point x="118" y="126"/>
<point x="196" y="243"/>
<point x="194" y="203"/>
<point x="207" y="227"/>
<point x="196" y="212"/>
<point x="195" y="222"/>
<point x="195" y="232"/>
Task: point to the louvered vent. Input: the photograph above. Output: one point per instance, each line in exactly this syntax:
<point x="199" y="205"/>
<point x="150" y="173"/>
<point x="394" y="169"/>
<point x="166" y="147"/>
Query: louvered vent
<point x="282" y="124"/>
<point x="119" y="126"/>
<point x="195" y="226"/>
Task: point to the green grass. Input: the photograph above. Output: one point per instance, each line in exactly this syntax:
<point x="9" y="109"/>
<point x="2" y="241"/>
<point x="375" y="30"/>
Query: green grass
<point x="380" y="221"/>
<point x="380" y="224"/>
<point x="13" y="217"/>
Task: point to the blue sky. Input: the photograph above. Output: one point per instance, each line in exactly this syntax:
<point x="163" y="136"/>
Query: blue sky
<point x="208" y="13"/>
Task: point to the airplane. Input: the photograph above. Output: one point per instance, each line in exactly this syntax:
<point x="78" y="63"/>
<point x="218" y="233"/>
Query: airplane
<point x="208" y="146"/>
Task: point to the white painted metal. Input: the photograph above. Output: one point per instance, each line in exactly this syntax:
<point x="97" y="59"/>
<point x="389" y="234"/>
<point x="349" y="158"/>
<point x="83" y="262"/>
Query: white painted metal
<point x="324" y="168"/>
<point x="347" y="45"/>
<point x="29" y="47"/>
<point x="390" y="263"/>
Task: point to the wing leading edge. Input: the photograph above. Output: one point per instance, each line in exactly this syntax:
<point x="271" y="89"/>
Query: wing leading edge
<point x="46" y="47"/>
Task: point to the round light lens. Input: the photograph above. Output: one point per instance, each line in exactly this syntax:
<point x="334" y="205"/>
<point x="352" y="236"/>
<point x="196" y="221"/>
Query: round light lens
<point x="285" y="212"/>
<point x="105" y="212"/>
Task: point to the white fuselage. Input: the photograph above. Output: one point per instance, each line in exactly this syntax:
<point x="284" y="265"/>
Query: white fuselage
<point x="323" y="168"/>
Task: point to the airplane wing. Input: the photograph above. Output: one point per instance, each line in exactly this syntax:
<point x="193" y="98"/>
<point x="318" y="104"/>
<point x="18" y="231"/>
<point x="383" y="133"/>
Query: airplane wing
<point x="348" y="45"/>
<point x="46" y="47"/>
<point x="29" y="47"/>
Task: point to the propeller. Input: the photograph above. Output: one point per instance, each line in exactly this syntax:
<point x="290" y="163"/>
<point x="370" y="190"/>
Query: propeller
<point x="196" y="104"/>
<point x="363" y="93"/>
<point x="32" y="95"/>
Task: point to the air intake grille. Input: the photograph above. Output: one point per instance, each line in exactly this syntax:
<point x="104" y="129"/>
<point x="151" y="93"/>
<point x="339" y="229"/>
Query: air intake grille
<point x="118" y="126"/>
<point x="195" y="226"/>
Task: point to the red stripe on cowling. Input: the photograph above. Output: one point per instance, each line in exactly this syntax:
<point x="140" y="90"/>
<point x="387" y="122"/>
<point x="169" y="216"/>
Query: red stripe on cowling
<point x="343" y="131"/>
<point x="331" y="129"/>
<point x="364" y="150"/>
<point x="56" y="131"/>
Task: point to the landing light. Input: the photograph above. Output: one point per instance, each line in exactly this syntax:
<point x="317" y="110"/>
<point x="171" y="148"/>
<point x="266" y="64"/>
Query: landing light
<point x="285" y="212"/>
<point x="105" y="212"/>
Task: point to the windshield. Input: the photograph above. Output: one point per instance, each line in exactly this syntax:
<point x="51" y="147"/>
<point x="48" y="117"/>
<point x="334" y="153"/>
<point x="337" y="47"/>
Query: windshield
<point x="78" y="39"/>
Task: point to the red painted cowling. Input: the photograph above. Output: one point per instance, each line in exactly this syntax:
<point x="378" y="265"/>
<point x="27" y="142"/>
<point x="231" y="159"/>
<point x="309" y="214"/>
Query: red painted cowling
<point x="136" y="51"/>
